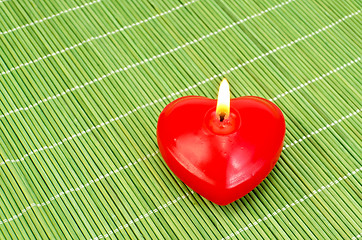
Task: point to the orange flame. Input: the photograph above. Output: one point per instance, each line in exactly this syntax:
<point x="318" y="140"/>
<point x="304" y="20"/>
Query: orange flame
<point x="223" y="100"/>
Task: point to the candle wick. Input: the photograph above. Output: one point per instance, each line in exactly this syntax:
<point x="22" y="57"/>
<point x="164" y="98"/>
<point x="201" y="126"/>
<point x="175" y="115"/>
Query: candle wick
<point x="222" y="116"/>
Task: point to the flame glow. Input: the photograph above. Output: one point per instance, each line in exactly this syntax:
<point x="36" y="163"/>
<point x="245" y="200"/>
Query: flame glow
<point x="223" y="100"/>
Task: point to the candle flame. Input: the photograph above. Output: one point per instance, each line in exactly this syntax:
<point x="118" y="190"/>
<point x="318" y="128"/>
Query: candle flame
<point x="223" y="100"/>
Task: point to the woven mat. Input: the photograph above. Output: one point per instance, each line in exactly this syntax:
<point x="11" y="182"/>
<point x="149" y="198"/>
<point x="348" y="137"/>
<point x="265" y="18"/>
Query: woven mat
<point x="82" y="84"/>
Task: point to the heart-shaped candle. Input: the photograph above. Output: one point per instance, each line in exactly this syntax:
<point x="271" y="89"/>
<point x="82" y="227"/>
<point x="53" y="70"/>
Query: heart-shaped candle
<point x="221" y="153"/>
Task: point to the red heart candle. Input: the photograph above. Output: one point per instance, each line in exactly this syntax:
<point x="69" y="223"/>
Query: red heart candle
<point x="224" y="153"/>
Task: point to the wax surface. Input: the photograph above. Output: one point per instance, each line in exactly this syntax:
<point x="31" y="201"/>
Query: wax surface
<point x="221" y="161"/>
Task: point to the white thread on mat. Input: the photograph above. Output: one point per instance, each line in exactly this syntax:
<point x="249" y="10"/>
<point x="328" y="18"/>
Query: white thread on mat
<point x="50" y="17"/>
<point x="95" y="38"/>
<point x="321" y="129"/>
<point x="67" y="191"/>
<point x="357" y="236"/>
<point x="305" y="197"/>
<point x="316" y="79"/>
<point x="241" y="229"/>
<point x="159" y="100"/>
<point x="182" y="90"/>
<point x="177" y="93"/>
<point x="78" y="188"/>
<point x="124" y="68"/>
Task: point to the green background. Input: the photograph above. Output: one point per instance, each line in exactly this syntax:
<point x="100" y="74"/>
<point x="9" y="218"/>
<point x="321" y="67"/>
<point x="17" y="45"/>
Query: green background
<point x="84" y="162"/>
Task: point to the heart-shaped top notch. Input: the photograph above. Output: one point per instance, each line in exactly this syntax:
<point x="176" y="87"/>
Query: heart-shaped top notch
<point x="222" y="161"/>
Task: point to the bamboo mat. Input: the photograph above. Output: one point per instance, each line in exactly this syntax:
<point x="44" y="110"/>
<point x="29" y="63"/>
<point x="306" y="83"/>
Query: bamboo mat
<point x="82" y="84"/>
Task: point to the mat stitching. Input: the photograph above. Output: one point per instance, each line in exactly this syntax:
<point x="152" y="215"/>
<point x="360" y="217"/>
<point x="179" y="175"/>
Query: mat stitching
<point x="50" y="17"/>
<point x="241" y="229"/>
<point x="134" y="65"/>
<point x="134" y="163"/>
<point x="176" y="93"/>
<point x="89" y="40"/>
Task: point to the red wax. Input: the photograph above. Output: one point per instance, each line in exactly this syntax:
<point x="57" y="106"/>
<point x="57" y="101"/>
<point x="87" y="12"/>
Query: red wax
<point x="221" y="161"/>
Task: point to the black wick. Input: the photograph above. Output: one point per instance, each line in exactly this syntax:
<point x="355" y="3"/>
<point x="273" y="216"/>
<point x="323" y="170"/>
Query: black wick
<point x="222" y="116"/>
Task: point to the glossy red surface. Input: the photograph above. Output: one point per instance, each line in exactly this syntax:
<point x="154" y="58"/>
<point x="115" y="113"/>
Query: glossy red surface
<point x="221" y="161"/>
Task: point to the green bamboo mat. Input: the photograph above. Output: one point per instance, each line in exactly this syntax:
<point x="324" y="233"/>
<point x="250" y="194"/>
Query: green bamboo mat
<point x="82" y="84"/>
